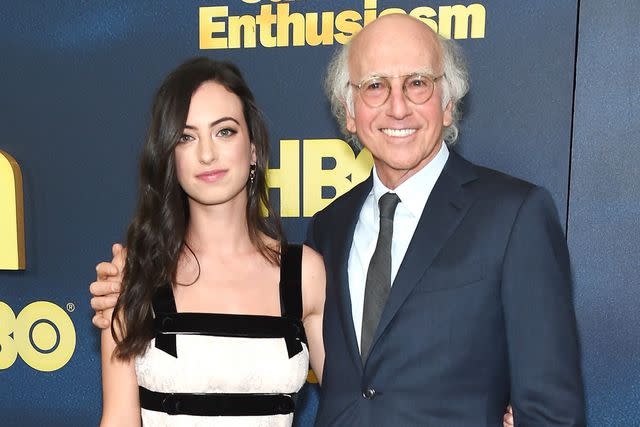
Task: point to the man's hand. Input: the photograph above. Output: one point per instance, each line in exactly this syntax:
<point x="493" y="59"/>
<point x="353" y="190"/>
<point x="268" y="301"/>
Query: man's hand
<point x="106" y="288"/>
<point x="507" y="420"/>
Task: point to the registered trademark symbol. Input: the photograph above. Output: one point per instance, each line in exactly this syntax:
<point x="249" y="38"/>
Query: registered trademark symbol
<point x="71" y="307"/>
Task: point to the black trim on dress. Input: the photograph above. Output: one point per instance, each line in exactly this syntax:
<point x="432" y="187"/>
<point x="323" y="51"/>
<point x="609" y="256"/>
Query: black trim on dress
<point x="168" y="323"/>
<point x="217" y="404"/>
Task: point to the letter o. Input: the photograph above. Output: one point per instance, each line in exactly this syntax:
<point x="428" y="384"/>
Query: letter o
<point x="45" y="336"/>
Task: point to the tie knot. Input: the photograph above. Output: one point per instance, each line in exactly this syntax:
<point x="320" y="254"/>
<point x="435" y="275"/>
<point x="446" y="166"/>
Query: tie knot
<point x="387" y="205"/>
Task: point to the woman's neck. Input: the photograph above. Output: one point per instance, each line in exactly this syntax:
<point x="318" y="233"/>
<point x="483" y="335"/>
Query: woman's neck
<point x="220" y="229"/>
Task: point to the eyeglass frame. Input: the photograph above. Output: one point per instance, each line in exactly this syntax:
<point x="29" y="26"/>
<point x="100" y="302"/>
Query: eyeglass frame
<point x="431" y="78"/>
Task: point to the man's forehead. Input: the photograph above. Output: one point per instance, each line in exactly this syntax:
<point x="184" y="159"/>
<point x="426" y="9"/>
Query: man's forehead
<point x="365" y="65"/>
<point x="394" y="53"/>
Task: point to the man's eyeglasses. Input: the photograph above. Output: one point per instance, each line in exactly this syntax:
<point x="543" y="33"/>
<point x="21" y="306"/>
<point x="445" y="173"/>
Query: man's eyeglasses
<point x="417" y="87"/>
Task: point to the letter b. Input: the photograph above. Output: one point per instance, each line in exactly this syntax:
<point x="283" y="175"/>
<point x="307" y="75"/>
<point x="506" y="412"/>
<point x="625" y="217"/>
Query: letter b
<point x="348" y="171"/>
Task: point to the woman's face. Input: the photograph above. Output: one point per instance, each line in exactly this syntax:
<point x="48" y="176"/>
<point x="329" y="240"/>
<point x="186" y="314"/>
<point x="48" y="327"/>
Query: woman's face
<point x="214" y="153"/>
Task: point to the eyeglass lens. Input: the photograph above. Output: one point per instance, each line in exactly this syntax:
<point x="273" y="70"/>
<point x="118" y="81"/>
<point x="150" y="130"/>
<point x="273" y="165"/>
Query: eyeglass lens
<point x="416" y="87"/>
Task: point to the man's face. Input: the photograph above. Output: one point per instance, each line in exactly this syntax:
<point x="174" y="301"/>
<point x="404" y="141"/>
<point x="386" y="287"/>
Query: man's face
<point x="402" y="136"/>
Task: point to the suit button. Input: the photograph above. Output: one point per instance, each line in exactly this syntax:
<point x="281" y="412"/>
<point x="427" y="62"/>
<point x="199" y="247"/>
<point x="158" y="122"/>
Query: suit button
<point x="369" y="393"/>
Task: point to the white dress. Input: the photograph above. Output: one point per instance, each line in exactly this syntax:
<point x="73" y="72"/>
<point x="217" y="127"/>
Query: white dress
<point x="230" y="370"/>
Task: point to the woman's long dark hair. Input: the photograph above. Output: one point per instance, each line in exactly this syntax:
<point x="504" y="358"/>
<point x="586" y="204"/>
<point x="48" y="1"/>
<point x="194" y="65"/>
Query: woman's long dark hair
<point x="156" y="235"/>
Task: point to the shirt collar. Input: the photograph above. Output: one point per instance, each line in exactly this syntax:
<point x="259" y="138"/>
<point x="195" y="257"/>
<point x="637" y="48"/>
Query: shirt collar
<point x="415" y="191"/>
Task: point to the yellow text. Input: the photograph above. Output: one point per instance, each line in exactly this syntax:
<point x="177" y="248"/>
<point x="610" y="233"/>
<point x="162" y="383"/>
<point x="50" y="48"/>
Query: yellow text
<point x="329" y="169"/>
<point x="11" y="215"/>
<point x="42" y="335"/>
<point x="277" y="26"/>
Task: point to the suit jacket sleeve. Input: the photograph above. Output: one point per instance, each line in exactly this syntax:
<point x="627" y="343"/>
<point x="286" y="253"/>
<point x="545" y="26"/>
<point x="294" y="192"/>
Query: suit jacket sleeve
<point x="311" y="238"/>
<point x="546" y="382"/>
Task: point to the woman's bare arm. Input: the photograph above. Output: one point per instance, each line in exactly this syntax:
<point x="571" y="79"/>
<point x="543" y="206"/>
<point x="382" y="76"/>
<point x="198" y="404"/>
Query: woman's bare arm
<point x="120" y="402"/>
<point x="313" y="294"/>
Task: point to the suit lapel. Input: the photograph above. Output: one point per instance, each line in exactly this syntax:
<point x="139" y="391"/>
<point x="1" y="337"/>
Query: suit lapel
<point x="344" y="229"/>
<point x="447" y="205"/>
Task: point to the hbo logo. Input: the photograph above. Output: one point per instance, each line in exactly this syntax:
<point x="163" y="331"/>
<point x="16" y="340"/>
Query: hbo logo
<point x="42" y="334"/>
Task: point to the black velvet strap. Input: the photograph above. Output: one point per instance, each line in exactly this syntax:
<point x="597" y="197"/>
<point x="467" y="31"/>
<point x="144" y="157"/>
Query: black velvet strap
<point x="168" y="323"/>
<point x="291" y="282"/>
<point x="231" y="325"/>
<point x="217" y="404"/>
<point x="164" y="302"/>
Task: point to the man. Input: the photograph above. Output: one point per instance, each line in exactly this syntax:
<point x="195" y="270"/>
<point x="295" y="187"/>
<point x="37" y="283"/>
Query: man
<point x="450" y="296"/>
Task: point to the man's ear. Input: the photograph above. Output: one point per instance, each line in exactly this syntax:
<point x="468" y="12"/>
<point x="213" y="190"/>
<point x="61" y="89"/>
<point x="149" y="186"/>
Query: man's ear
<point x="447" y="117"/>
<point x="350" y="120"/>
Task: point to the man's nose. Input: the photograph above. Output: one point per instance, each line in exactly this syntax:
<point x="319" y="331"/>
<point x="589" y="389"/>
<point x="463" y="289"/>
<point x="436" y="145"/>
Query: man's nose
<point x="398" y="104"/>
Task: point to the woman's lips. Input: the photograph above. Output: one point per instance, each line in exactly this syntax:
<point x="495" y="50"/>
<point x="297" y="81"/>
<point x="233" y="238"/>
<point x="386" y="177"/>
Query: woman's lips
<point x="211" y="176"/>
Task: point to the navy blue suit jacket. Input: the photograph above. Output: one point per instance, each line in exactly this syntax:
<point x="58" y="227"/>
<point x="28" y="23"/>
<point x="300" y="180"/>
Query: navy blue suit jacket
<point x="480" y="313"/>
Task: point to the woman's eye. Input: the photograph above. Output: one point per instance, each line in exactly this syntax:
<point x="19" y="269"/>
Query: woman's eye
<point x="226" y="132"/>
<point x="186" y="138"/>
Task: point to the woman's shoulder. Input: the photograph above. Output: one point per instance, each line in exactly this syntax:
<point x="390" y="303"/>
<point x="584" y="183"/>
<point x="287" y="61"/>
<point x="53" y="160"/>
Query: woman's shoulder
<point x="311" y="258"/>
<point x="304" y="262"/>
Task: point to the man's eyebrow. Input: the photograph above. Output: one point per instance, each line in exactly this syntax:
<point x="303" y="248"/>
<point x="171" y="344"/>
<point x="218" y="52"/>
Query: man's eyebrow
<point x="426" y="71"/>
<point x="212" y="124"/>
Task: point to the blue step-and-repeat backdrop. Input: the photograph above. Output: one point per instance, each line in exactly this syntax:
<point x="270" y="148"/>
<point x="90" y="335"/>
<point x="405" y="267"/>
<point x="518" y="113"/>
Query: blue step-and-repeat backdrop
<point x="553" y="100"/>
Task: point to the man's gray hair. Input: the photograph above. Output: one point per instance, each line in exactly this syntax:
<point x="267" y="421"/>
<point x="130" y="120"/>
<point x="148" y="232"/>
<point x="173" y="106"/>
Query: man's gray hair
<point x="456" y="78"/>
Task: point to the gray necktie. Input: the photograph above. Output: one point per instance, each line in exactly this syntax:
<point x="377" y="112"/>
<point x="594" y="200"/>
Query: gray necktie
<point x="379" y="274"/>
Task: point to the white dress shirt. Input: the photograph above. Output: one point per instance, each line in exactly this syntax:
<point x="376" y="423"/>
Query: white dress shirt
<point x="413" y="194"/>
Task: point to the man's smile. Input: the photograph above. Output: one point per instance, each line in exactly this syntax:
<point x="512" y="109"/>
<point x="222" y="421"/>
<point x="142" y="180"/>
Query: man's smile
<point x="398" y="132"/>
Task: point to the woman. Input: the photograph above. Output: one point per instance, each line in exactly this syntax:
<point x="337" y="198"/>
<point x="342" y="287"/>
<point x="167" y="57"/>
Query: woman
<point x="210" y="286"/>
